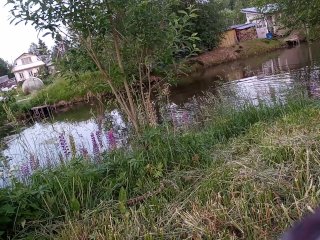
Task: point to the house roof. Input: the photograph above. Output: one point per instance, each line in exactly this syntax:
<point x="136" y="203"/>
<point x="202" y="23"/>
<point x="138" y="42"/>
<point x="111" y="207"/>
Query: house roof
<point x="4" y="78"/>
<point x="22" y="55"/>
<point x="242" y="26"/>
<point x="18" y="68"/>
<point x="269" y="8"/>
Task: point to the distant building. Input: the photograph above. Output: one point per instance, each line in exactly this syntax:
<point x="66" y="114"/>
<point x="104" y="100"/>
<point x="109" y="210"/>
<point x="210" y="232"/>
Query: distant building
<point x="266" y="20"/>
<point x="238" y="33"/>
<point x="27" y="65"/>
<point x="6" y="83"/>
<point x="245" y="32"/>
<point x="4" y="79"/>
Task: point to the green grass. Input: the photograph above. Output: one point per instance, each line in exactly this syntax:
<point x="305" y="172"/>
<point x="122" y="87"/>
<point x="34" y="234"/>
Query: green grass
<point x="244" y="174"/>
<point x="242" y="50"/>
<point x="259" y="46"/>
<point x="66" y="88"/>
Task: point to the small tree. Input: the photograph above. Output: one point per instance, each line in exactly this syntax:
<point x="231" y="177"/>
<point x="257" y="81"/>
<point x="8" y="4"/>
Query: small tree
<point x="34" y="49"/>
<point x="5" y="68"/>
<point x="210" y="22"/>
<point x="127" y="40"/>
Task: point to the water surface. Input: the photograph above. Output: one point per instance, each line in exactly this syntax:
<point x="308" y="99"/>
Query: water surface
<point x="85" y="127"/>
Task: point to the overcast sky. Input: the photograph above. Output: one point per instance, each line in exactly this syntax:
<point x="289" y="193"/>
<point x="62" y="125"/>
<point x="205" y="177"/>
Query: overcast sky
<point x="16" y="39"/>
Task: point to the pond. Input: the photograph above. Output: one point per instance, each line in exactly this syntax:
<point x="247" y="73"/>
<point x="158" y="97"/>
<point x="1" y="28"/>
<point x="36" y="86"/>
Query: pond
<point x="82" y="130"/>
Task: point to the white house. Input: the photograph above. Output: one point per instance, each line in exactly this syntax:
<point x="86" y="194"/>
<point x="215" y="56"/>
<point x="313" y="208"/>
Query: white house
<point x="27" y="65"/>
<point x="266" y="20"/>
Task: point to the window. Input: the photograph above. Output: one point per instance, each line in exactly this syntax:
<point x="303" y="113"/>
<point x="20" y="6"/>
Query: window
<point x="30" y="73"/>
<point x="26" y="60"/>
<point x="21" y="76"/>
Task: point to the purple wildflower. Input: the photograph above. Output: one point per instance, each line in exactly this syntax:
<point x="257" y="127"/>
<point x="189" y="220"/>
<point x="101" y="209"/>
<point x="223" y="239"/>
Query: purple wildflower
<point x="25" y="170"/>
<point x="174" y="118"/>
<point x="64" y="145"/>
<point x="84" y="152"/>
<point x="111" y="139"/>
<point x="99" y="137"/>
<point x="34" y="162"/>
<point x="95" y="145"/>
<point x="185" y="117"/>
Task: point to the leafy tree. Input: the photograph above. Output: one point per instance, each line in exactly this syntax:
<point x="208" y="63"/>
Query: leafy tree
<point x="233" y="13"/>
<point x="127" y="40"/>
<point x="43" y="49"/>
<point x="209" y="23"/>
<point x="5" y="68"/>
<point x="61" y="46"/>
<point x="75" y="60"/>
<point x="34" y="49"/>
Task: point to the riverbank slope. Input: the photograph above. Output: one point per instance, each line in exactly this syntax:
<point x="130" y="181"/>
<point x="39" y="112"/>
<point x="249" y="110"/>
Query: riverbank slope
<point x="242" y="50"/>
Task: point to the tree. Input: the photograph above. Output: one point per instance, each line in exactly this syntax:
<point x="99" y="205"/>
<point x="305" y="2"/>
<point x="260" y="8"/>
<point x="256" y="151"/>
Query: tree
<point x="43" y="49"/>
<point x="210" y="22"/>
<point x="61" y="46"/>
<point x="4" y="68"/>
<point x="127" y="40"/>
<point x="34" y="49"/>
<point x="233" y="13"/>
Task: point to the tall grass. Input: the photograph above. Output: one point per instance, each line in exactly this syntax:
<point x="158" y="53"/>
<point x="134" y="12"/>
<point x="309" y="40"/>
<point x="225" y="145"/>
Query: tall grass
<point x="66" y="88"/>
<point x="222" y="178"/>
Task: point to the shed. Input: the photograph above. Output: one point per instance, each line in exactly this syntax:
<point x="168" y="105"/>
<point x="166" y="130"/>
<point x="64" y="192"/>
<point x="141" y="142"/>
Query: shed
<point x="229" y="38"/>
<point x="245" y="32"/>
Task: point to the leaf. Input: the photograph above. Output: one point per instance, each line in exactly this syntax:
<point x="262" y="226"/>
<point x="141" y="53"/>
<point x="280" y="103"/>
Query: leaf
<point x="23" y="223"/>
<point x="193" y="15"/>
<point x="47" y="33"/>
<point x="8" y="209"/>
<point x="75" y="205"/>
<point x="182" y="12"/>
<point x="122" y="200"/>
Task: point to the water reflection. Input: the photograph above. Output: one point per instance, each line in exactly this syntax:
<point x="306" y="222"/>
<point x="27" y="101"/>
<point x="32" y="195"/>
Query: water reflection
<point x="264" y="78"/>
<point x="281" y="61"/>
<point x="49" y="143"/>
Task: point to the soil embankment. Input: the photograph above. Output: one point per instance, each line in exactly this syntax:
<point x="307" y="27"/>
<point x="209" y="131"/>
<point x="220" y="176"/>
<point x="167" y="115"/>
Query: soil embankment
<point x="241" y="50"/>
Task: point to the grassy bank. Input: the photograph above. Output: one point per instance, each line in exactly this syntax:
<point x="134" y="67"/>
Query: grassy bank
<point x="243" y="174"/>
<point x="65" y="88"/>
<point x="242" y="50"/>
<point x="70" y="87"/>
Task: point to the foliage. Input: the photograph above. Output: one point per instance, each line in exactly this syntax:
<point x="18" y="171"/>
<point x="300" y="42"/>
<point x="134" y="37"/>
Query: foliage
<point x="233" y="12"/>
<point x="122" y="39"/>
<point x="179" y="160"/>
<point x="5" y="106"/>
<point x="209" y="23"/>
<point x="75" y="60"/>
<point x="66" y="88"/>
<point x="39" y="49"/>
<point x="4" y="68"/>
